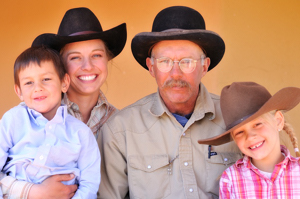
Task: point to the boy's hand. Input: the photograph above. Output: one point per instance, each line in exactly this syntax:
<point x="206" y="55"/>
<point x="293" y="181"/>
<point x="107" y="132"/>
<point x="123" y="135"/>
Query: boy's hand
<point x="52" y="188"/>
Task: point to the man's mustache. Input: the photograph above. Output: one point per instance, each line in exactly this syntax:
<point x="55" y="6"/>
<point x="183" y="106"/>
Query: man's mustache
<point x="176" y="83"/>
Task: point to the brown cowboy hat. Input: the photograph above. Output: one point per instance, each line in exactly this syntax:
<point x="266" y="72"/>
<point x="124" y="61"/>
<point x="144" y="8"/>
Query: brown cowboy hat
<point x="80" y="24"/>
<point x="242" y="102"/>
<point x="178" y="23"/>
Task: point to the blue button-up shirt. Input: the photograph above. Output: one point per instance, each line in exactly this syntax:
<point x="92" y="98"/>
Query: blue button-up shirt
<point x="33" y="148"/>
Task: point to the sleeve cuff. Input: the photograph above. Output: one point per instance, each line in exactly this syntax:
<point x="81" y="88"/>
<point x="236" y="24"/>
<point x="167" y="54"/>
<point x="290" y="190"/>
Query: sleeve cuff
<point x="14" y="189"/>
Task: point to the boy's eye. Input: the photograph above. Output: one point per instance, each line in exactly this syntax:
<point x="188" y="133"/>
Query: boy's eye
<point x="28" y="83"/>
<point x="46" y="79"/>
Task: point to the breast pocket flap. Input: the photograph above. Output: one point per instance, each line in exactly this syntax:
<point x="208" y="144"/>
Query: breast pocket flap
<point x="224" y="158"/>
<point x="148" y="163"/>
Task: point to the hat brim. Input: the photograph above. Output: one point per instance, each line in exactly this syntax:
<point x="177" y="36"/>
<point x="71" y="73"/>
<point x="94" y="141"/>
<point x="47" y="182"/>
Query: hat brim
<point x="211" y="42"/>
<point x="284" y="100"/>
<point x="115" y="39"/>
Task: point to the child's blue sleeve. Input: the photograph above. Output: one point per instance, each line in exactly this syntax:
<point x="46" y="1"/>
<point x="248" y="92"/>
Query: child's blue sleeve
<point x="89" y="165"/>
<point x="6" y="141"/>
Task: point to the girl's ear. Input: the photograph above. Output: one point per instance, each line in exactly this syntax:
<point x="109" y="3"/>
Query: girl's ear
<point x="279" y="120"/>
<point x="18" y="92"/>
<point x="65" y="83"/>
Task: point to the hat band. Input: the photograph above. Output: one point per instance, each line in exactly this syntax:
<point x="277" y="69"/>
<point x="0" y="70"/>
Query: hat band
<point x="173" y="30"/>
<point x="233" y="124"/>
<point x="82" y="33"/>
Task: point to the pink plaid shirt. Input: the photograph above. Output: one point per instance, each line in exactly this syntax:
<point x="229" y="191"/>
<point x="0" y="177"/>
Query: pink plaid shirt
<point x="243" y="181"/>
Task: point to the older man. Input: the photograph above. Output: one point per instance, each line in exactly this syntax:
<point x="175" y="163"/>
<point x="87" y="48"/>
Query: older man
<point x="150" y="148"/>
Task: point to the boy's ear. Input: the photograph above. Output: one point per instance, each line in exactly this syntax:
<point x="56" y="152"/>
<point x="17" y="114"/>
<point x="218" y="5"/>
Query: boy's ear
<point x="65" y="83"/>
<point x="279" y="120"/>
<point x="18" y="92"/>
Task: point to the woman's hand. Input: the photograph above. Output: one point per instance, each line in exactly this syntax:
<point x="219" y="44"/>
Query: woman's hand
<point x="53" y="188"/>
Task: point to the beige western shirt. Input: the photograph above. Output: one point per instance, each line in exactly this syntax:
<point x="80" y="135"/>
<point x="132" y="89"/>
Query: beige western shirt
<point x="147" y="152"/>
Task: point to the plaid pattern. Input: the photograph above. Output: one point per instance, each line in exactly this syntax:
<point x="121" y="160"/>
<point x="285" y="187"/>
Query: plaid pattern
<point x="243" y="181"/>
<point x="100" y="113"/>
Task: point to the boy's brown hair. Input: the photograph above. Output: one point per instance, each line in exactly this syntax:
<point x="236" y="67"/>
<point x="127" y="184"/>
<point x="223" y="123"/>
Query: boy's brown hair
<point x="37" y="55"/>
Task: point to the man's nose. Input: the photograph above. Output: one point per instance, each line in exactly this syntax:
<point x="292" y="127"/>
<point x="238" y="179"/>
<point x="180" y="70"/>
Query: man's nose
<point x="176" y="71"/>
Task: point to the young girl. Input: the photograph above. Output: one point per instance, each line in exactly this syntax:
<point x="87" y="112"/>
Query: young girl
<point x="253" y="119"/>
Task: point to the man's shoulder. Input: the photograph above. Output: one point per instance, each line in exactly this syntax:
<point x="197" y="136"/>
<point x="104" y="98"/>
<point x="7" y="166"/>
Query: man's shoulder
<point x="141" y="105"/>
<point x="133" y="113"/>
<point x="141" y="102"/>
<point x="216" y="101"/>
<point x="215" y="97"/>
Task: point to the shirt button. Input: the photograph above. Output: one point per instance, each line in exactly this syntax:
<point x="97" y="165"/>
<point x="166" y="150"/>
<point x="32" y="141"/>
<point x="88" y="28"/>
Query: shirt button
<point x="191" y="190"/>
<point x="41" y="157"/>
<point x="183" y="134"/>
<point x="50" y="127"/>
<point x="225" y="159"/>
<point x="149" y="167"/>
<point x="186" y="164"/>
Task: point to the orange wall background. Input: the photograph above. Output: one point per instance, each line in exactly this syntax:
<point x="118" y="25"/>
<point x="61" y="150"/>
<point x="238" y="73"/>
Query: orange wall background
<point x="261" y="37"/>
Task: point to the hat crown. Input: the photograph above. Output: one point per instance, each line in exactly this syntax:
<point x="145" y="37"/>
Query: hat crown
<point x="178" y="17"/>
<point x="79" y="20"/>
<point x="240" y="100"/>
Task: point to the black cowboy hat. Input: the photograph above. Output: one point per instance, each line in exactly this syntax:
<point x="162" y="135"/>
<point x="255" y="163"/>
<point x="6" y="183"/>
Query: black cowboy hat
<point x="241" y="102"/>
<point x="80" y="24"/>
<point x="178" y="23"/>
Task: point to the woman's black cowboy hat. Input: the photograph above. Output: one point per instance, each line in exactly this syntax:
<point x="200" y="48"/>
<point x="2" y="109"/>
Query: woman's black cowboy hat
<point x="178" y="23"/>
<point x="80" y="24"/>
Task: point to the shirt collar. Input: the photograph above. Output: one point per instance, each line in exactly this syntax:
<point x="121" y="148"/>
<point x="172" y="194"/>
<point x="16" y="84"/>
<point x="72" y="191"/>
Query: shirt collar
<point x="39" y="119"/>
<point x="101" y="101"/>
<point x="204" y="105"/>
<point x="246" y="161"/>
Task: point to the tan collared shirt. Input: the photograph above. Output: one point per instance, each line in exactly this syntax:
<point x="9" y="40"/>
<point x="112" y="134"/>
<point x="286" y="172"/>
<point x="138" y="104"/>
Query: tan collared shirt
<point x="14" y="189"/>
<point x="147" y="152"/>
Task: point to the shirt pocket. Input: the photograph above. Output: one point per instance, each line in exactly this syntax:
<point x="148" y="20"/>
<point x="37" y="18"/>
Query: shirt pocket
<point x="148" y="176"/>
<point x="215" y="165"/>
<point x="64" y="154"/>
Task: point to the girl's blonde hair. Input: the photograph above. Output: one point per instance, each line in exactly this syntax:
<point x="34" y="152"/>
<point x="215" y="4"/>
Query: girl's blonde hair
<point x="290" y="131"/>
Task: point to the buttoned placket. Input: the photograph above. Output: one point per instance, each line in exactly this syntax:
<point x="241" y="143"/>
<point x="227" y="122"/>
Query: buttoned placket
<point x="270" y="182"/>
<point x="43" y="150"/>
<point x="186" y="165"/>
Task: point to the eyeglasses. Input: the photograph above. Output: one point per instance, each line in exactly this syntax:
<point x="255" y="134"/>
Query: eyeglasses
<point x="187" y="65"/>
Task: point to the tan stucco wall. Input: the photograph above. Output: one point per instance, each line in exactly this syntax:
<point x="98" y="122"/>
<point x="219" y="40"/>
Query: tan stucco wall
<point x="261" y="39"/>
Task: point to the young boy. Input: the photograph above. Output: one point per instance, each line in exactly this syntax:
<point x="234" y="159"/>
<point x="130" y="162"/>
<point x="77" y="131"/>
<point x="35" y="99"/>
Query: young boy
<point x="253" y="120"/>
<point x="38" y="137"/>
